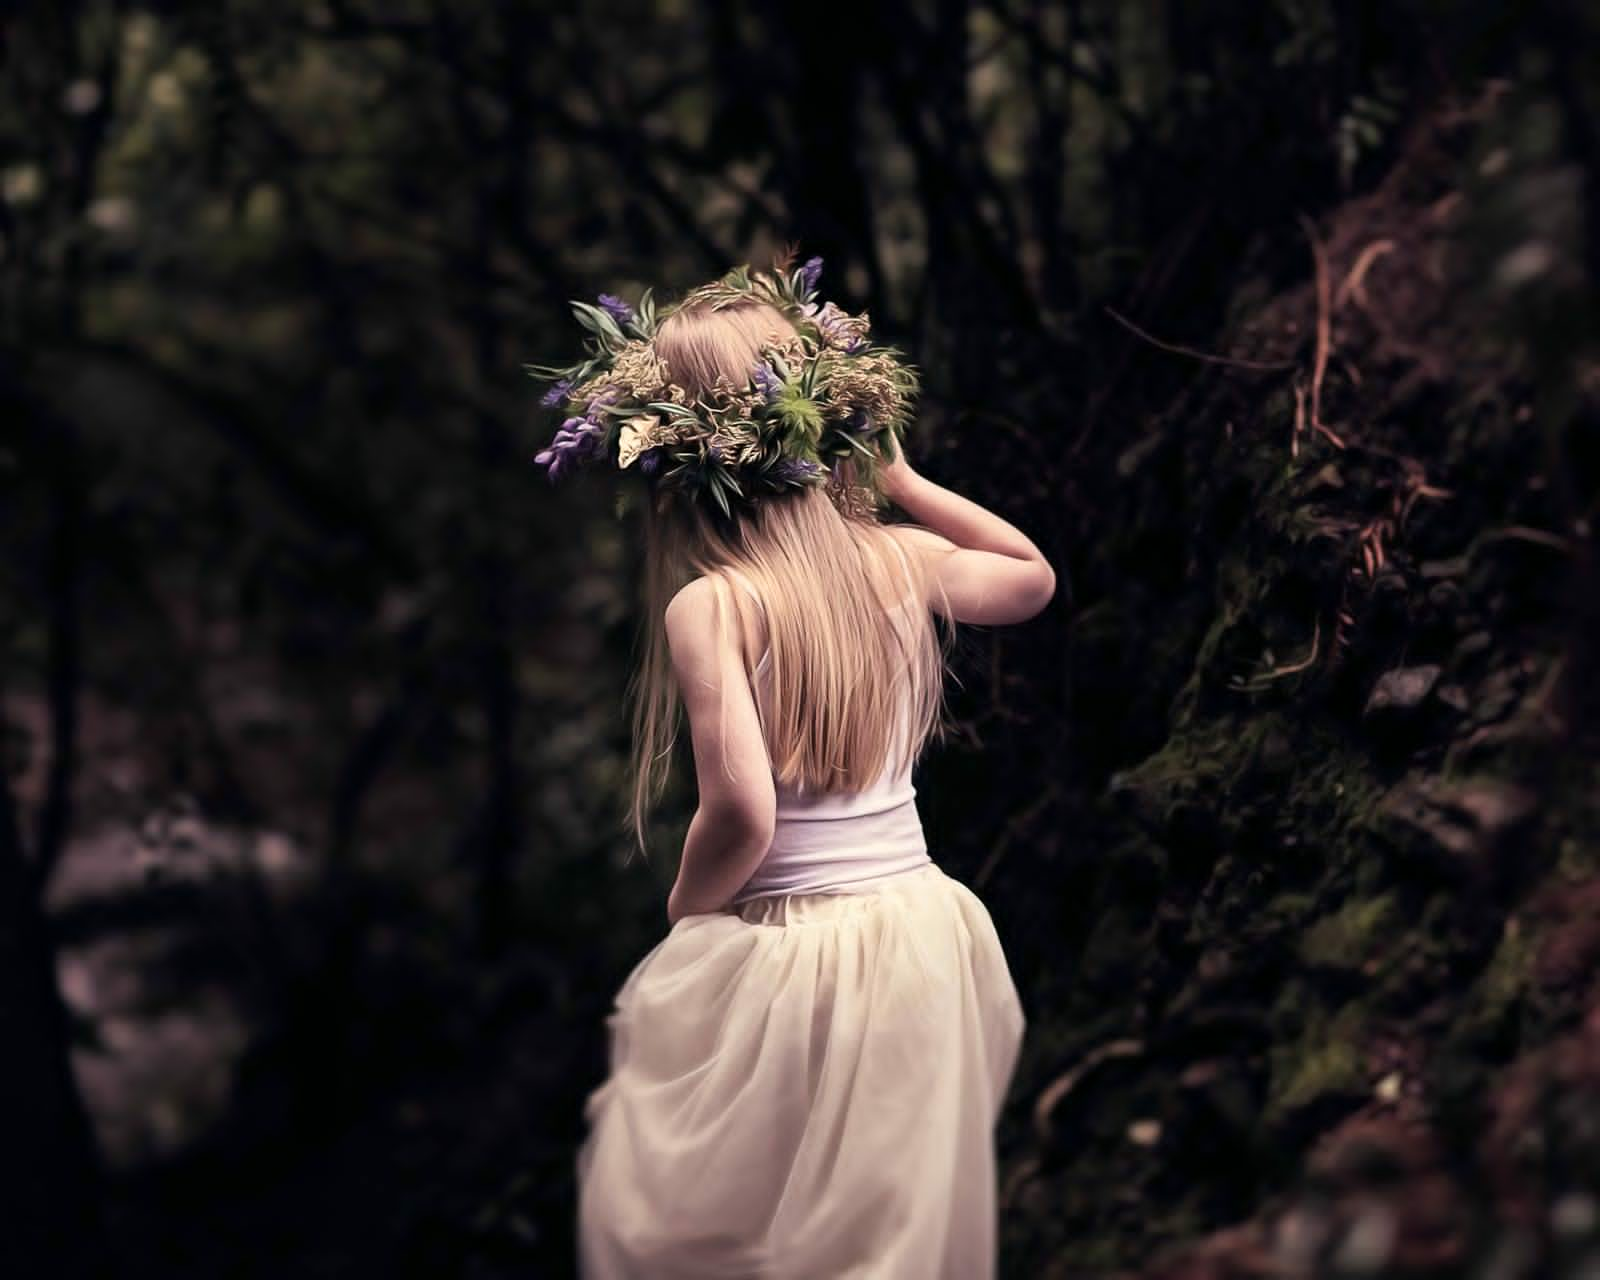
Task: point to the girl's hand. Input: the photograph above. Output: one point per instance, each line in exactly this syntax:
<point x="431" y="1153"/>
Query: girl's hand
<point x="896" y="477"/>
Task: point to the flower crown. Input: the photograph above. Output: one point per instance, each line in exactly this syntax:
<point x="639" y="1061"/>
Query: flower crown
<point x="820" y="395"/>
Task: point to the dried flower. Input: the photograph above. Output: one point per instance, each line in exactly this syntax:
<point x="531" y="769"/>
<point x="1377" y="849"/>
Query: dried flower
<point x="735" y="442"/>
<point x="865" y="385"/>
<point x="637" y="370"/>
<point x="646" y="431"/>
<point x="842" y="330"/>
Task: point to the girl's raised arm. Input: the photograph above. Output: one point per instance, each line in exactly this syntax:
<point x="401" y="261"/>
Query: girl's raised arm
<point x="984" y="569"/>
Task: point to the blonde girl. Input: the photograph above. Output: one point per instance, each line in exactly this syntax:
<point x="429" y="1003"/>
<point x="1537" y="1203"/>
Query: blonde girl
<point x="805" y="1072"/>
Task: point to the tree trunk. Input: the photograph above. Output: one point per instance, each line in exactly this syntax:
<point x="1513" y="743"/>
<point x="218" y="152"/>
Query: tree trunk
<point x="50" y="1223"/>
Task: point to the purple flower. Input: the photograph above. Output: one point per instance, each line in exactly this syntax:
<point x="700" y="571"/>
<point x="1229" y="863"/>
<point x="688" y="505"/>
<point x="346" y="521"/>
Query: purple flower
<point x="620" y="311"/>
<point x="857" y="346"/>
<point x="608" y="396"/>
<point x="767" y="381"/>
<point x="809" y="274"/>
<point x="795" y="470"/>
<point x="577" y="441"/>
<point x="551" y="461"/>
<point x="649" y="461"/>
<point x="557" y="393"/>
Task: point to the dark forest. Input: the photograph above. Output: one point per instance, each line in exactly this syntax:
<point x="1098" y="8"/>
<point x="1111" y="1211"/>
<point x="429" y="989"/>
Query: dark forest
<point x="1271" y="320"/>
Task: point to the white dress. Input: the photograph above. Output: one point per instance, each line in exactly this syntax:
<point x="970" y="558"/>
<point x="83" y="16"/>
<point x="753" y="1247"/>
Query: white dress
<point x="805" y="1084"/>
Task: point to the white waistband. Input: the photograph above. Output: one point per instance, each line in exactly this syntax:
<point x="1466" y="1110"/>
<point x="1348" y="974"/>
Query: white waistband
<point x="818" y="856"/>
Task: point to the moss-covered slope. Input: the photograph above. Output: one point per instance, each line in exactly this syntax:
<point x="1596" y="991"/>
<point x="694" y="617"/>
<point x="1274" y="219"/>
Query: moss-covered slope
<point x="1332" y="1004"/>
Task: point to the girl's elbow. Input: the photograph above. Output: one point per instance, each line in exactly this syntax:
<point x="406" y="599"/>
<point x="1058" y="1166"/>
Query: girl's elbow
<point x="1041" y="591"/>
<point x="1050" y="582"/>
<point x="747" y="824"/>
<point x="760" y="827"/>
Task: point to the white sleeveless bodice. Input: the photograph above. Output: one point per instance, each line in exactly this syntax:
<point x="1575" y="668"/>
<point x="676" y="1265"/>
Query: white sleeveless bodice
<point x="843" y="842"/>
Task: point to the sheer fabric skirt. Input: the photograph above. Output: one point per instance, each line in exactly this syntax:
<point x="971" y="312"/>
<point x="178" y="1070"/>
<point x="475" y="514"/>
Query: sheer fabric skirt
<point x="805" y="1086"/>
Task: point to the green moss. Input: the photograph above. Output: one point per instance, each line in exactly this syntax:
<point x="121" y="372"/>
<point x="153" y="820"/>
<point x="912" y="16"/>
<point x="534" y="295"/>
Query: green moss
<point x="1578" y="859"/>
<point x="1507" y="972"/>
<point x="1574" y="800"/>
<point x="1289" y="909"/>
<point x="1371" y="872"/>
<point x="1351" y="935"/>
<point x="1333" y="1066"/>
<point x="1500" y="987"/>
<point x="1290" y="1011"/>
<point x="1325" y="1060"/>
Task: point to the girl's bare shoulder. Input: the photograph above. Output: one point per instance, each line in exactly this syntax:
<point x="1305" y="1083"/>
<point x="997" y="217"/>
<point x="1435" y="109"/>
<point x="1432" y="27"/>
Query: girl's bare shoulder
<point x="693" y="607"/>
<point x="923" y="541"/>
<point x="694" y="594"/>
<point x="924" y="546"/>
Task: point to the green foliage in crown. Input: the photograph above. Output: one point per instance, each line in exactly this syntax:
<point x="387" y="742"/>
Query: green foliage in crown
<point x="821" y="395"/>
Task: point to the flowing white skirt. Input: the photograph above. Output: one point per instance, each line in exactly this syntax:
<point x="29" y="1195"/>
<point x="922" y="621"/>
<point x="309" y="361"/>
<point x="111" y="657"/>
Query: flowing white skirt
<point x="806" y="1086"/>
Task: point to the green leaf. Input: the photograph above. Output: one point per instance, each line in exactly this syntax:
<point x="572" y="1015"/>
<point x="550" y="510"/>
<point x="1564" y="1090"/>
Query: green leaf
<point x="670" y="409"/>
<point x="598" y="321"/>
<point x="586" y="316"/>
<point x="546" y="371"/>
<point x="854" y="443"/>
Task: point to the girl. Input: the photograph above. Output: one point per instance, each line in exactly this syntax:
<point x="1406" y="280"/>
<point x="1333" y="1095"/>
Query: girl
<point x="806" y="1071"/>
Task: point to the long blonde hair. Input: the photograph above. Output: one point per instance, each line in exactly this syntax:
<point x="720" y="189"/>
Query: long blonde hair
<point x="829" y="577"/>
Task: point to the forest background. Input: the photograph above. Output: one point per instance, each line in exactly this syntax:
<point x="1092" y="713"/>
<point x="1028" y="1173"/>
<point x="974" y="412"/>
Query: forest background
<point x="1270" y="320"/>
